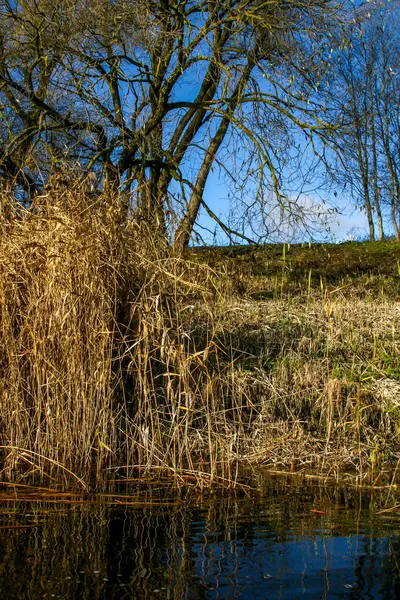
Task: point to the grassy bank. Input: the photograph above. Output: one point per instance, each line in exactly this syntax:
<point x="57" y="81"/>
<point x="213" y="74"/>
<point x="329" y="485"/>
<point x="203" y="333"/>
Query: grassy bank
<point x="316" y="329"/>
<point x="120" y="360"/>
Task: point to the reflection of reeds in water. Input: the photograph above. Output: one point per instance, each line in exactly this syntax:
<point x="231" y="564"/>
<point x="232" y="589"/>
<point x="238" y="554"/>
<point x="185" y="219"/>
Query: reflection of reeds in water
<point x="91" y="553"/>
<point x="83" y="553"/>
<point x="98" y="551"/>
<point x="49" y="559"/>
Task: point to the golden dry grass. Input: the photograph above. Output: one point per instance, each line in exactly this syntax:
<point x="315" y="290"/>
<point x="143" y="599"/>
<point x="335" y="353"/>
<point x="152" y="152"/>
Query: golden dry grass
<point x="99" y="370"/>
<point x="326" y="378"/>
<point x="119" y="359"/>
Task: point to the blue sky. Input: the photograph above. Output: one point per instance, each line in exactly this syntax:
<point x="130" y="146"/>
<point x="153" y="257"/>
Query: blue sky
<point x="348" y="224"/>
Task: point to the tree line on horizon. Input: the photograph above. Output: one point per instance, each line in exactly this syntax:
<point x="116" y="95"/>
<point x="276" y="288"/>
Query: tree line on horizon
<point x="145" y="100"/>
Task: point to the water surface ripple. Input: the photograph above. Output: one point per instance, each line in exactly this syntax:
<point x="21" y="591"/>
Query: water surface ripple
<point x="293" y="542"/>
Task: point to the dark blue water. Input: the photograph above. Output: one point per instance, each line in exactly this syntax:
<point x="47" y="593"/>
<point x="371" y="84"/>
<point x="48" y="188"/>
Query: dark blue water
<point x="270" y="546"/>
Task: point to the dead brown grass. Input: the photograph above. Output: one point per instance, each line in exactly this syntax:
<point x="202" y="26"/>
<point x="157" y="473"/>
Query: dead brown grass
<point x="119" y="359"/>
<point x="99" y="367"/>
<point x="323" y="374"/>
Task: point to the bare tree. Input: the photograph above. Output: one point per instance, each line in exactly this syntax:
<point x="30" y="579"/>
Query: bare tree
<point x="366" y="93"/>
<point x="388" y="112"/>
<point x="152" y="95"/>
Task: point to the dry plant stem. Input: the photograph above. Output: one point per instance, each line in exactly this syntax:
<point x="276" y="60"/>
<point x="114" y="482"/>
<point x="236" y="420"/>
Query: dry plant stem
<point x="45" y="458"/>
<point x="387" y="510"/>
<point x="101" y="362"/>
<point x="117" y="352"/>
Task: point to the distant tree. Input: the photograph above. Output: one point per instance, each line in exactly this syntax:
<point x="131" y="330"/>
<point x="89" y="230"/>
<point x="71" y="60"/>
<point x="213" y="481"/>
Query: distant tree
<point x="152" y="95"/>
<point x="388" y="112"/>
<point x="366" y="93"/>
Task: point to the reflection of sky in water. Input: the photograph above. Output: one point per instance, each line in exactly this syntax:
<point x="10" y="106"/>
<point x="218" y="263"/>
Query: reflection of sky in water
<point x="312" y="567"/>
<point x="274" y="548"/>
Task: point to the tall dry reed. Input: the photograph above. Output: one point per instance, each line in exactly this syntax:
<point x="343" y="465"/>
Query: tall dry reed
<point x="99" y="369"/>
<point x="120" y="359"/>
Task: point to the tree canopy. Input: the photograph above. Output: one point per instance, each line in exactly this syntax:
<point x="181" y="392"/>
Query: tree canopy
<point x="149" y="96"/>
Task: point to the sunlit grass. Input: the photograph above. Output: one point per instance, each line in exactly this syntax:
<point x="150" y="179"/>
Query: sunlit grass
<point x="120" y="360"/>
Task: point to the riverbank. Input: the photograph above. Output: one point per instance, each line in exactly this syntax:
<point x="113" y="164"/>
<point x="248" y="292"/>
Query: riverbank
<point x="316" y="328"/>
<point x="120" y="360"/>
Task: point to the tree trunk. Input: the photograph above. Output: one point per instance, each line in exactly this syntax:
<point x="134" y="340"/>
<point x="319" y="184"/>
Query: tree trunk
<point x="381" y="234"/>
<point x="185" y="227"/>
<point x="393" y="211"/>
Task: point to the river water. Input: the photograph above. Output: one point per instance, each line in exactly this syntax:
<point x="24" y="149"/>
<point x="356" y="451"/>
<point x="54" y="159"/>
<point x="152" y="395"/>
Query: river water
<point x="290" y="541"/>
